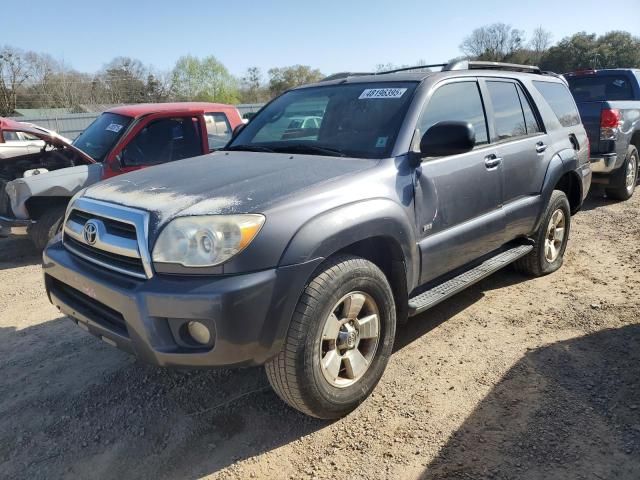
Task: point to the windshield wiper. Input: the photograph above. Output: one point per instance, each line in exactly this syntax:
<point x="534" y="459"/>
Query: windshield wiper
<point x="249" y="148"/>
<point x="301" y="148"/>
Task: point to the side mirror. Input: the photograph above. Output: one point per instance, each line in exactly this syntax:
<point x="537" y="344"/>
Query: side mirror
<point x="237" y="130"/>
<point x="448" y="138"/>
<point x="116" y="163"/>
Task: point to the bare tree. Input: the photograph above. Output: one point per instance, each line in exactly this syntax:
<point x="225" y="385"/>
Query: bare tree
<point x="15" y="70"/>
<point x="252" y="89"/>
<point x="539" y="43"/>
<point x="494" y="42"/>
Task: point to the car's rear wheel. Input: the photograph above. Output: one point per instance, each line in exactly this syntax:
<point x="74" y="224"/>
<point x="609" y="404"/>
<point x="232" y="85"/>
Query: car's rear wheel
<point x="4" y="206"/>
<point x="550" y="239"/>
<point x="625" y="179"/>
<point x="339" y="341"/>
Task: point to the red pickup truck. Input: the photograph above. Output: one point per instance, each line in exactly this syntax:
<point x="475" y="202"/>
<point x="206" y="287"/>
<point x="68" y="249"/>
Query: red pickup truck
<point x="36" y="187"/>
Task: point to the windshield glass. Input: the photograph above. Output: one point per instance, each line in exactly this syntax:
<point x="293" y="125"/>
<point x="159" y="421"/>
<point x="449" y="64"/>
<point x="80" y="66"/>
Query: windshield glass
<point x="99" y="137"/>
<point x="600" y="88"/>
<point x="352" y="120"/>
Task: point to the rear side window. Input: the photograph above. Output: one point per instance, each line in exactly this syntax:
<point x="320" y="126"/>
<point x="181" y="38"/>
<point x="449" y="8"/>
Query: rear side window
<point x="507" y="110"/>
<point x="529" y="117"/>
<point x="11" y="137"/>
<point x="218" y="130"/>
<point x="600" y="88"/>
<point x="559" y="99"/>
<point x="459" y="101"/>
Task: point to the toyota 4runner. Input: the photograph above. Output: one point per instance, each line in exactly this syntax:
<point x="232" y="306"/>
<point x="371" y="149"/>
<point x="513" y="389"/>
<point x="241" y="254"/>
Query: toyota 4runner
<point x="300" y="245"/>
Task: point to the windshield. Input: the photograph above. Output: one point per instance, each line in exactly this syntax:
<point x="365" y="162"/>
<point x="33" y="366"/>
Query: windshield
<point x="600" y="88"/>
<point x="352" y="120"/>
<point x="99" y="137"/>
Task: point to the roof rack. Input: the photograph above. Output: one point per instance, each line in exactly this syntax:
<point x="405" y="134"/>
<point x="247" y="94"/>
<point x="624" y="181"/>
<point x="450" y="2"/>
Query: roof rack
<point x="407" y="69"/>
<point x="447" y="67"/>
<point x="477" y="65"/>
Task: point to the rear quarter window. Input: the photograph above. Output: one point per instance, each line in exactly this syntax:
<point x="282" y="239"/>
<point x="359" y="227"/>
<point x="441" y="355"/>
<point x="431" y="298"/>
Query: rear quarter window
<point x="561" y="102"/>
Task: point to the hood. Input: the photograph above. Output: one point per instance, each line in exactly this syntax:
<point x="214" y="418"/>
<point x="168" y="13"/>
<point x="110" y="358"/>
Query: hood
<point x="222" y="182"/>
<point x="6" y="124"/>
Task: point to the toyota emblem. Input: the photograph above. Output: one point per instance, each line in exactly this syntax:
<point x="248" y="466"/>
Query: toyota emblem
<point x="90" y="232"/>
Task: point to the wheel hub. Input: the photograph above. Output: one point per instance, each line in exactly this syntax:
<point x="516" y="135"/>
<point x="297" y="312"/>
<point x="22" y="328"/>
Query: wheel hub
<point x="348" y="337"/>
<point x="555" y="236"/>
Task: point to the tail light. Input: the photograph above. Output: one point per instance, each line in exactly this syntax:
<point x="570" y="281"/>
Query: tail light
<point x="610" y="121"/>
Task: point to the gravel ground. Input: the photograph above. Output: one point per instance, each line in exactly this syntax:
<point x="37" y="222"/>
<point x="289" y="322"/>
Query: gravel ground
<point x="514" y="378"/>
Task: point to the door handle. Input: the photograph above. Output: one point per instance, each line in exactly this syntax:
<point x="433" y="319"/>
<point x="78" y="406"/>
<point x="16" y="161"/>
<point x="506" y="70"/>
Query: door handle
<point x="492" y="161"/>
<point x="540" y="147"/>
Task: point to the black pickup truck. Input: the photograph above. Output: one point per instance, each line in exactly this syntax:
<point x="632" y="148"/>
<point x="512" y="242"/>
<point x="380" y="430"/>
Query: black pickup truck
<point x="609" y="104"/>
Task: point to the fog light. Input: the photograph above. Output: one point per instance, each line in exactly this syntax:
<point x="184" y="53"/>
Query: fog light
<point x="199" y="332"/>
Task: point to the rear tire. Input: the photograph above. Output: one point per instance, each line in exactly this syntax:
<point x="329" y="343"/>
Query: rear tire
<point x="625" y="179"/>
<point x="47" y="226"/>
<point x="339" y="341"/>
<point x="550" y="239"/>
<point x="5" y="206"/>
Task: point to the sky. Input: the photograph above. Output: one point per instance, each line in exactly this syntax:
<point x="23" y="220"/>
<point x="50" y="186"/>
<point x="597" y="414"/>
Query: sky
<point x="333" y="36"/>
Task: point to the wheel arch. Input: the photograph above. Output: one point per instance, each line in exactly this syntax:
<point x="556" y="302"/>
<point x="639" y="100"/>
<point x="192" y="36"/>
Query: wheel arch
<point x="36" y="206"/>
<point x="378" y="230"/>
<point x="562" y="174"/>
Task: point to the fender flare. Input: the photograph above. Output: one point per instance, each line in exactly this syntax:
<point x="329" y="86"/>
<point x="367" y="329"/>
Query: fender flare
<point x="333" y="230"/>
<point x="563" y="162"/>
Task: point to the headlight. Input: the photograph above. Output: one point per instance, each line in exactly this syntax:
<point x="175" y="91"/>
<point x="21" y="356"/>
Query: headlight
<point x="205" y="241"/>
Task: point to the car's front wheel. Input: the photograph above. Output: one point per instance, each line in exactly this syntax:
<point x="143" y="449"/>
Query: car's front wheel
<point x="339" y="341"/>
<point x="47" y="226"/>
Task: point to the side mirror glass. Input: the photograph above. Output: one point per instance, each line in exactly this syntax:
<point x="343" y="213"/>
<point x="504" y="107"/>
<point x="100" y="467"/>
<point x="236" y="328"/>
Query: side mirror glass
<point x="448" y="138"/>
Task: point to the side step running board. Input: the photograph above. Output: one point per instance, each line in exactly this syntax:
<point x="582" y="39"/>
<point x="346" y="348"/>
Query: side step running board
<point x="444" y="290"/>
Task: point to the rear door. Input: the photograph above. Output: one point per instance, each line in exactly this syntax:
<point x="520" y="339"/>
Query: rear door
<point x="458" y="198"/>
<point x="523" y="147"/>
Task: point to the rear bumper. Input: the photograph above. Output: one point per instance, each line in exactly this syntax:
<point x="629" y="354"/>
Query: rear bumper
<point x="248" y="314"/>
<point x="605" y="163"/>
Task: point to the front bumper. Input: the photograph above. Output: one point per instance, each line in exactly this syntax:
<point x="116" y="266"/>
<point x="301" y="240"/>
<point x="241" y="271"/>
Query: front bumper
<point x="248" y="314"/>
<point x="14" y="225"/>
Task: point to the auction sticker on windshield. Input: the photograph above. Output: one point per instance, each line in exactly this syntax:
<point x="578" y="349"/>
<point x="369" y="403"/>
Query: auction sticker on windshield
<point x="114" y="127"/>
<point x="382" y="93"/>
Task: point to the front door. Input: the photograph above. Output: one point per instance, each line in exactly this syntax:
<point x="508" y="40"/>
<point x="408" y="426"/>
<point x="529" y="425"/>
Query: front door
<point x="458" y="198"/>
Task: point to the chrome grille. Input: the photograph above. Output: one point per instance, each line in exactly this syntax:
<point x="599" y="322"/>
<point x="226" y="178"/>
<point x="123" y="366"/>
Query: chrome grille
<point x="108" y="235"/>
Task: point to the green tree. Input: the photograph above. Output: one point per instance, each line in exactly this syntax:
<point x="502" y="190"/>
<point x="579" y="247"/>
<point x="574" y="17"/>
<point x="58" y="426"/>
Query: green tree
<point x="203" y="79"/>
<point x="284" y="78"/>
<point x="583" y="50"/>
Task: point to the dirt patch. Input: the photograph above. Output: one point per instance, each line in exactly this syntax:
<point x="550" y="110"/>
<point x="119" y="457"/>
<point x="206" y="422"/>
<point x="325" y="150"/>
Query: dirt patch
<point x="513" y="378"/>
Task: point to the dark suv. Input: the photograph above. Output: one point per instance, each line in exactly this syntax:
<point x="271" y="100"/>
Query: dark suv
<point x="301" y="247"/>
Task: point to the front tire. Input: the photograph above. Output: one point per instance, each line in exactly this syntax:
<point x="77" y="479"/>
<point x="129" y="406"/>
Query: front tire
<point x="550" y="239"/>
<point x="47" y="226"/>
<point x="625" y="179"/>
<point x="339" y="341"/>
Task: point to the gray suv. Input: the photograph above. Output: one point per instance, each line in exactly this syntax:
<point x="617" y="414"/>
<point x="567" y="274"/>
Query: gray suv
<point x="302" y="248"/>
